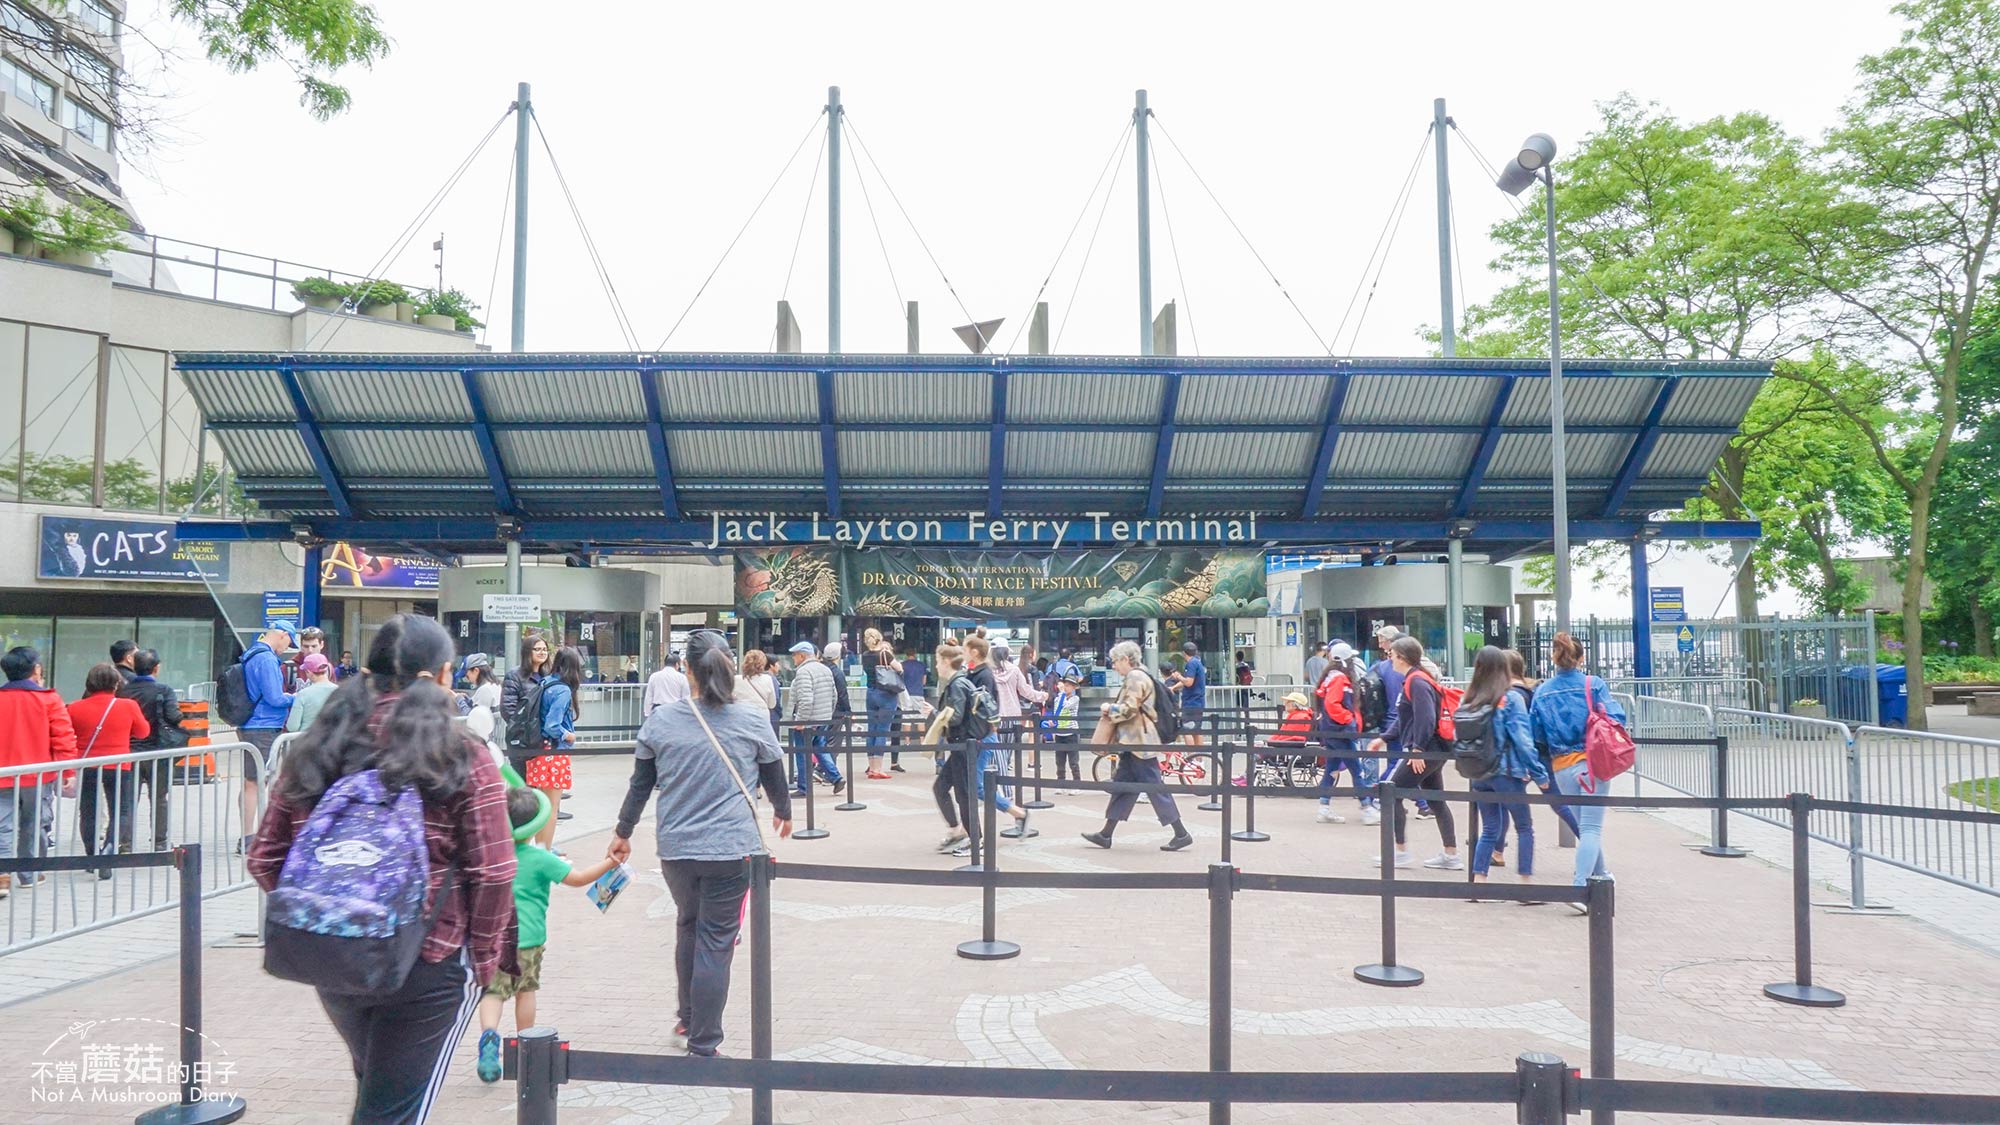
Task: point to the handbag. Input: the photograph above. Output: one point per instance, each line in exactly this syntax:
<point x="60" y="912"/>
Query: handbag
<point x="1608" y="748"/>
<point x="70" y="786"/>
<point x="749" y="802"/>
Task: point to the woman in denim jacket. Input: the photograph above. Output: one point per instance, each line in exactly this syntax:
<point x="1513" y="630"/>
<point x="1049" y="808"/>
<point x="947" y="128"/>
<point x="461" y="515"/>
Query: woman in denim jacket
<point x="1493" y="686"/>
<point x="1561" y="707"/>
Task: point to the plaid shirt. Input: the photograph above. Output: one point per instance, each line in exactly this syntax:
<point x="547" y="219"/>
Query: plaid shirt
<point x="470" y="841"/>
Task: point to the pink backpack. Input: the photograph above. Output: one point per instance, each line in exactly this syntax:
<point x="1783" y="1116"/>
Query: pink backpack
<point x="1607" y="747"/>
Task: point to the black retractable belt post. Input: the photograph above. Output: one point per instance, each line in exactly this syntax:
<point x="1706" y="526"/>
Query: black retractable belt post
<point x="762" y="867"/>
<point x="1019" y="830"/>
<point x="1038" y="804"/>
<point x="853" y="802"/>
<point x="989" y="947"/>
<point x="812" y="830"/>
<point x="1387" y="972"/>
<point x="965" y="758"/>
<point x="1218" y="759"/>
<point x="1221" y="890"/>
<point x="540" y="1070"/>
<point x="1471" y="841"/>
<point x="1719" y="834"/>
<point x="197" y="1106"/>
<point x="1602" y="904"/>
<point x="1249" y="834"/>
<point x="1221" y="781"/>
<point x="1801" y="989"/>
<point x="1542" y="1077"/>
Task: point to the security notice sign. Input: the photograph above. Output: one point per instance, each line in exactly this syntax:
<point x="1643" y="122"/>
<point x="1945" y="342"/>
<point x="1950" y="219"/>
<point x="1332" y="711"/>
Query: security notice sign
<point x="510" y="609"/>
<point x="1669" y="605"/>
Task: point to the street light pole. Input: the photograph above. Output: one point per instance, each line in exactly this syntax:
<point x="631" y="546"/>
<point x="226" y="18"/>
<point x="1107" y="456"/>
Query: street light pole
<point x="1558" y="459"/>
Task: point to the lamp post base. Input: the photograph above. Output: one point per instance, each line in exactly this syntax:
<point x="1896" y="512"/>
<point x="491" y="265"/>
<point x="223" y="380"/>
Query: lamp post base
<point x="1389" y="976"/>
<point x="1805" y="995"/>
<point x="215" y="1109"/>
<point x="988" y="950"/>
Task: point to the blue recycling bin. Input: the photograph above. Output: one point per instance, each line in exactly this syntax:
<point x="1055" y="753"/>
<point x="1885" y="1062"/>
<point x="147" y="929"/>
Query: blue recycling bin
<point x="1892" y="683"/>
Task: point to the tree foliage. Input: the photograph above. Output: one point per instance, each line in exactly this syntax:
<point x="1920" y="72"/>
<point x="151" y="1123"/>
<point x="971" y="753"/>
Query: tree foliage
<point x="314" y="39"/>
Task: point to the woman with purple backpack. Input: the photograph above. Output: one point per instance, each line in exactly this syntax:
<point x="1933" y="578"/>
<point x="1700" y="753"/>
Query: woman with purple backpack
<point x="400" y="973"/>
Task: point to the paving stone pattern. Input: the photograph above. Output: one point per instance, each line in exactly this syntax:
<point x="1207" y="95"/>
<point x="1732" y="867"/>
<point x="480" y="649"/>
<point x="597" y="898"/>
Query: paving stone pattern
<point x="868" y="973"/>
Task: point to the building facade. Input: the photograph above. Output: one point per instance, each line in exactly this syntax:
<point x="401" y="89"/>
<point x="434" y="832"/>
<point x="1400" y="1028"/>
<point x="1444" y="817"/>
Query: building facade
<point x="60" y="68"/>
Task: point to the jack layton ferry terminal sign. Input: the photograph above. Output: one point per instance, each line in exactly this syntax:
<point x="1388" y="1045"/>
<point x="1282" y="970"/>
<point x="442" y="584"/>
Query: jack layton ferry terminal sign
<point x="976" y="527"/>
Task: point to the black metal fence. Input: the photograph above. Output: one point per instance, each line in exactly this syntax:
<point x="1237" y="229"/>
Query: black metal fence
<point x="1543" y="1088"/>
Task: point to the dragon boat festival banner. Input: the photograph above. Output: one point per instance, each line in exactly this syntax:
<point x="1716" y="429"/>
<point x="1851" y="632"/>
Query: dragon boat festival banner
<point x="988" y="585"/>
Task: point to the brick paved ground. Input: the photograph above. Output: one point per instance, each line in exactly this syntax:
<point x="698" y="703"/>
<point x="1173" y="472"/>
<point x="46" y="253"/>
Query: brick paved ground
<point x="1118" y="979"/>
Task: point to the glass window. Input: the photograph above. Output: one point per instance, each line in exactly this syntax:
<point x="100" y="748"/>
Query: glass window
<point x="81" y="642"/>
<point x="89" y="125"/>
<point x="184" y="447"/>
<point x="89" y="70"/>
<point x="60" y="443"/>
<point x="132" y="421"/>
<point x="13" y="337"/>
<point x="185" y="648"/>
<point x="37" y="631"/>
<point x="25" y="84"/>
<point x="95" y="17"/>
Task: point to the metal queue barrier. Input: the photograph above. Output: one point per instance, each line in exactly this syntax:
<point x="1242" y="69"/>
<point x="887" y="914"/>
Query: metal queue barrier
<point x="1542" y="1088"/>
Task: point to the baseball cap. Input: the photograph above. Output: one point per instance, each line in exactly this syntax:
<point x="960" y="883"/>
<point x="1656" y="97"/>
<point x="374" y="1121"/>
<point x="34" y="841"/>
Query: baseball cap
<point x="316" y="662"/>
<point x="1341" y="650"/>
<point x="806" y="647"/>
<point x="283" y="626"/>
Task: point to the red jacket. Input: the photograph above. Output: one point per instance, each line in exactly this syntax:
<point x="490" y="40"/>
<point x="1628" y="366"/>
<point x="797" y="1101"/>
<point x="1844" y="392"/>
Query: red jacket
<point x="1333" y="690"/>
<point x="34" y="728"/>
<point x="124" y="723"/>
<point x="1297" y="725"/>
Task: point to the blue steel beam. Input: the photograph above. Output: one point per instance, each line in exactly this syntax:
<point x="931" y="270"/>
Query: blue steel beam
<point x="308" y="431"/>
<point x="1163" y="450"/>
<point x="482" y="432"/>
<point x="1483" y="456"/>
<point x="656" y="437"/>
<point x="718" y="426"/>
<point x="829" y="443"/>
<point x="996" y="446"/>
<point x="1642" y="613"/>
<point x="1642" y="448"/>
<point x="1329" y="440"/>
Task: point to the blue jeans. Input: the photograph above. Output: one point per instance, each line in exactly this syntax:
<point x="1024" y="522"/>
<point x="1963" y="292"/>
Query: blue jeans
<point x="882" y="715"/>
<point x="1589" y="825"/>
<point x="1563" y="813"/>
<point x="814" y="737"/>
<point x="1361" y="769"/>
<point x="988" y="752"/>
<point x="1493" y="819"/>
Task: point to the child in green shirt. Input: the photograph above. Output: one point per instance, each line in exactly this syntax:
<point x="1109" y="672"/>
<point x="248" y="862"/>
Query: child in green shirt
<point x="536" y="869"/>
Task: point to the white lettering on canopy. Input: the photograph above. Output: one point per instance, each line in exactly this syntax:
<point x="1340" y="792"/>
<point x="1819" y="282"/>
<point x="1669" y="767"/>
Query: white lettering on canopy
<point x="976" y="527"/>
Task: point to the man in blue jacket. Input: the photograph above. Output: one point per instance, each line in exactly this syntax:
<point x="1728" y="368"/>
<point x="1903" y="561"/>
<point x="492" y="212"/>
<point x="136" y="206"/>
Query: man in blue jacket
<point x="264" y="677"/>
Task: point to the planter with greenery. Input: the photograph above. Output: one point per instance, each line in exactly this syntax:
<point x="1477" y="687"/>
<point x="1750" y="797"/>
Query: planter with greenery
<point x="83" y="232"/>
<point x="380" y="298"/>
<point x="448" y="308"/>
<point x="25" y="219"/>
<point x="321" y="292"/>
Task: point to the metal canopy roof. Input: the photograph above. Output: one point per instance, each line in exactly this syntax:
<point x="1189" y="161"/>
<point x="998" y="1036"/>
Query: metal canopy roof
<point x="343" y="440"/>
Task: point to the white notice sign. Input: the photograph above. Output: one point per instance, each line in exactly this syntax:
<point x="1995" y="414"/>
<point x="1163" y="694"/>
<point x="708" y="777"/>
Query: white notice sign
<point x="509" y="609"/>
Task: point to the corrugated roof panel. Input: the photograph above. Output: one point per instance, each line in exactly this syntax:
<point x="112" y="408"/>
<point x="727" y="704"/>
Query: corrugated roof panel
<point x="1217" y="399"/>
<point x="587" y="455"/>
<point x="1685" y="455"/>
<point x="1078" y="396"/>
<point x="1214" y="457"/>
<point x="1526" y="456"/>
<point x="740" y="396"/>
<point x="874" y="455"/>
<point x="1363" y="503"/>
<point x="1588" y="400"/>
<point x="775" y="456"/>
<point x="435" y="454"/>
<point x="240" y="396"/>
<point x="895" y="396"/>
<point x="1419" y="455"/>
<point x="1420" y="399"/>
<point x="1715" y="401"/>
<point x="1079" y="457"/>
<point x="562" y="396"/>
<point x="266" y="453"/>
<point x="386" y="396"/>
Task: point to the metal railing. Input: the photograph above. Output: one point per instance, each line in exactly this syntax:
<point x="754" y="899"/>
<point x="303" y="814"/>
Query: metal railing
<point x="191" y="795"/>
<point x="1709" y="691"/>
<point x="195" y="269"/>
<point x="1938" y="771"/>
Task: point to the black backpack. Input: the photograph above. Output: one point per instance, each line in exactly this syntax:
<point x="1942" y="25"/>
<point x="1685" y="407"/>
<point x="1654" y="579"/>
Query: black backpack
<point x="1166" y="712"/>
<point x="976" y="710"/>
<point x="233" y="704"/>
<point x="524" y="730"/>
<point x="1371" y="699"/>
<point x="1475" y="747"/>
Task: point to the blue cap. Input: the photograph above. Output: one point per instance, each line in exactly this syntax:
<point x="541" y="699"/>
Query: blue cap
<point x="283" y="626"/>
<point x="806" y="647"/>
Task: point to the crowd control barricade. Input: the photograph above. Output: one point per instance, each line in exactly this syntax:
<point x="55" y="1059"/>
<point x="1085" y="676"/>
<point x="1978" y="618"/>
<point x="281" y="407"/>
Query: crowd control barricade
<point x="169" y="807"/>
<point x="1541" y="1087"/>
<point x="1709" y="691"/>
<point x="1900" y="767"/>
<point x="1774" y="755"/>
<point x="609" y="714"/>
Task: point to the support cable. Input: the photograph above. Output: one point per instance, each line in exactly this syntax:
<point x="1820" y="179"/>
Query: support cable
<point x="499" y="242"/>
<point x="589" y="244"/>
<point x="1458" y="257"/>
<point x="1361" y="282"/>
<point x="805" y="213"/>
<point x="1303" y="318"/>
<point x="1117" y="149"/>
<point x="1401" y="208"/>
<point x="402" y="240"/>
<point x="1160" y="181"/>
<point x="902" y="309"/>
<point x="765" y="198"/>
<point x="847" y="122"/>
<point x="1077" y="287"/>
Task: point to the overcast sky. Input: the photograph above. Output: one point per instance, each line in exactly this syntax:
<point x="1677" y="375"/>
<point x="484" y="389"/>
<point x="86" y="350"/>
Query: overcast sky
<point x="990" y="124"/>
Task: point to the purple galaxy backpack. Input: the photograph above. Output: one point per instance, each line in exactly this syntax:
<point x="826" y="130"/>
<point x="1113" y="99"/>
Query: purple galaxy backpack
<point x="347" y="915"/>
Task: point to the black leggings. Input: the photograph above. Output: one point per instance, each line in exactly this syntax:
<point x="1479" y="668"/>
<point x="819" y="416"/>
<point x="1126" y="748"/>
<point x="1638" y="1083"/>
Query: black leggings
<point x="1407" y="777"/>
<point x="954" y="792"/>
<point x="402" y="1044"/>
<point x="1068" y="760"/>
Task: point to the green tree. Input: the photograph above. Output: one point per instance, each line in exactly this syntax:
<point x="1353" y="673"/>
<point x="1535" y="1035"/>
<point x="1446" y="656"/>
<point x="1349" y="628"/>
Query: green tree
<point x="1965" y="523"/>
<point x="1898" y="232"/>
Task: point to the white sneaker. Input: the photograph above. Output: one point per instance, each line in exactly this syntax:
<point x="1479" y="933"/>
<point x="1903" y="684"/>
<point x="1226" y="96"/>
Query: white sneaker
<point x="1371" y="815"/>
<point x="1328" y="816"/>
<point x="1403" y="860"/>
<point x="1444" y="862"/>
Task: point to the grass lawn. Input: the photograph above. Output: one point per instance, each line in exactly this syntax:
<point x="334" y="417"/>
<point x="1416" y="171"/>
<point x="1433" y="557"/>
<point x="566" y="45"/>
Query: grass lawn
<point x="1977" y="791"/>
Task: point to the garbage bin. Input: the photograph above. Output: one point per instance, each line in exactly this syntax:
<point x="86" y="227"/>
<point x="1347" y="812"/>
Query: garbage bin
<point x="1893" y="687"/>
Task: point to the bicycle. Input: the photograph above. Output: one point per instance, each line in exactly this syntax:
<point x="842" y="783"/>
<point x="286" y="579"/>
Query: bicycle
<point x="1187" y="767"/>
